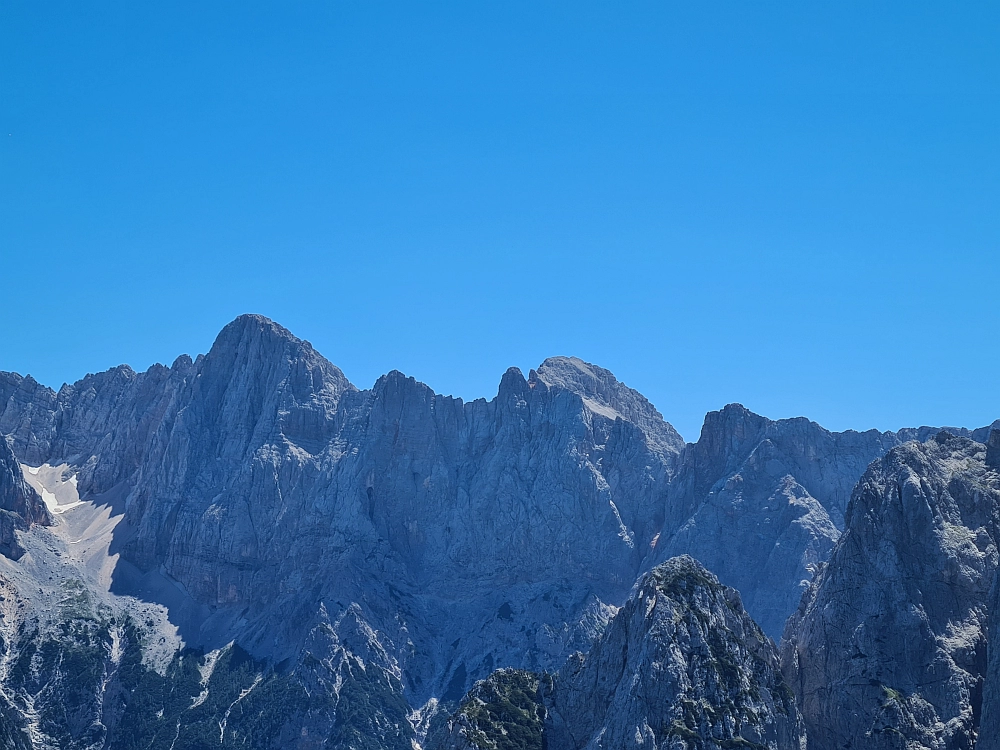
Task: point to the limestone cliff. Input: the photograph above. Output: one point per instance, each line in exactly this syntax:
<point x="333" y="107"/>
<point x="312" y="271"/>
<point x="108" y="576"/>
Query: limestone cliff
<point x="377" y="550"/>
<point x="888" y="648"/>
<point x="20" y="505"/>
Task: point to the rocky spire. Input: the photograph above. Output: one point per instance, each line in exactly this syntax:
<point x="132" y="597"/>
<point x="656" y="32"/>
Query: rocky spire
<point x="681" y="661"/>
<point x="20" y="505"/>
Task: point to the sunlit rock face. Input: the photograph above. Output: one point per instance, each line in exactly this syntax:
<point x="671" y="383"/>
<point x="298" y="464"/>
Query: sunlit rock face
<point x="889" y="646"/>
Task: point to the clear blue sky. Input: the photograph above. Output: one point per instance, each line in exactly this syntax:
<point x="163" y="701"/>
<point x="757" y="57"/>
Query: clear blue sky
<point x="791" y="205"/>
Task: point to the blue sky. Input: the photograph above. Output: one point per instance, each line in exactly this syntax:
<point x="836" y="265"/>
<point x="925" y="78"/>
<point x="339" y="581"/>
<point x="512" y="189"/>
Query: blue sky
<point x="791" y="205"/>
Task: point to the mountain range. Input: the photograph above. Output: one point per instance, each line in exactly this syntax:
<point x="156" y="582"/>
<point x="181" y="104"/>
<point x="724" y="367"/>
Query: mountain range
<point x="246" y="550"/>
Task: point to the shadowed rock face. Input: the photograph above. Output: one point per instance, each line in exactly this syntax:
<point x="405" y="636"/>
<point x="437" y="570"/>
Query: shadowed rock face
<point x="16" y="496"/>
<point x="20" y="505"/>
<point x="993" y="450"/>
<point x="889" y="645"/>
<point x="989" y="733"/>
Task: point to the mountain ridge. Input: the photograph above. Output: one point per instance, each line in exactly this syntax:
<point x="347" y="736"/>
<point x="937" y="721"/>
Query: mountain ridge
<point x="394" y="540"/>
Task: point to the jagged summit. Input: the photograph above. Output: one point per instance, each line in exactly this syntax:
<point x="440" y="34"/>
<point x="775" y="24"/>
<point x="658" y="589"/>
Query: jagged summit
<point x="604" y="394"/>
<point x="255" y="337"/>
<point x="776" y="491"/>
<point x="682" y="664"/>
<point x="251" y="326"/>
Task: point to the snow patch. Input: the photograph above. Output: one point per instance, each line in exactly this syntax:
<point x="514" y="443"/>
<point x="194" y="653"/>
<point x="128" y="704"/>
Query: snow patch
<point x="206" y="671"/>
<point x="59" y="493"/>
<point x="602" y="409"/>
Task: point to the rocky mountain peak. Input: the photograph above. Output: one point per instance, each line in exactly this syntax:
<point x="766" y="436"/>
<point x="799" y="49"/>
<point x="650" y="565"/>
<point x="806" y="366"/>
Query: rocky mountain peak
<point x="438" y="541"/>
<point x="730" y="431"/>
<point x="682" y="663"/>
<point x="251" y="325"/>
<point x="257" y="371"/>
<point x="252" y="341"/>
<point x="513" y="381"/>
<point x="605" y="395"/>
<point x="777" y="491"/>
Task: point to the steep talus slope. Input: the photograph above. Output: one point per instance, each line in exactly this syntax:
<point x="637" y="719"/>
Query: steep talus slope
<point x="761" y="502"/>
<point x="888" y="648"/>
<point x="682" y="665"/>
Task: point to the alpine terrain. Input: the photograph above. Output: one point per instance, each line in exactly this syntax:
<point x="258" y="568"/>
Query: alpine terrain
<point x="245" y="550"/>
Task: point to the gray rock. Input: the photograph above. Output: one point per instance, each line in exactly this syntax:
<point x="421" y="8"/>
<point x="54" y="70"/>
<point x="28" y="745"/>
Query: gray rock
<point x="989" y="732"/>
<point x="258" y="477"/>
<point x="682" y="665"/>
<point x="888" y="647"/>
<point x="761" y="503"/>
<point x="993" y="450"/>
<point x="20" y="505"/>
<point x="980" y="435"/>
<point x="401" y="542"/>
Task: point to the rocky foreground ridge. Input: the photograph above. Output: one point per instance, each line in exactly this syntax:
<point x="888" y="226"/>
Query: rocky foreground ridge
<point x="246" y="550"/>
<point x="680" y="665"/>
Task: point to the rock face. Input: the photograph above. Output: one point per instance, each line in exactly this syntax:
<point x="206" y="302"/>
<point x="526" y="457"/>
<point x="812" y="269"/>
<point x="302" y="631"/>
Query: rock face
<point x="681" y="665"/>
<point x="888" y="648"/>
<point x="761" y="503"/>
<point x="993" y="450"/>
<point x="20" y="505"/>
<point x="279" y="498"/>
<point x="989" y="732"/>
<point x="387" y="547"/>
